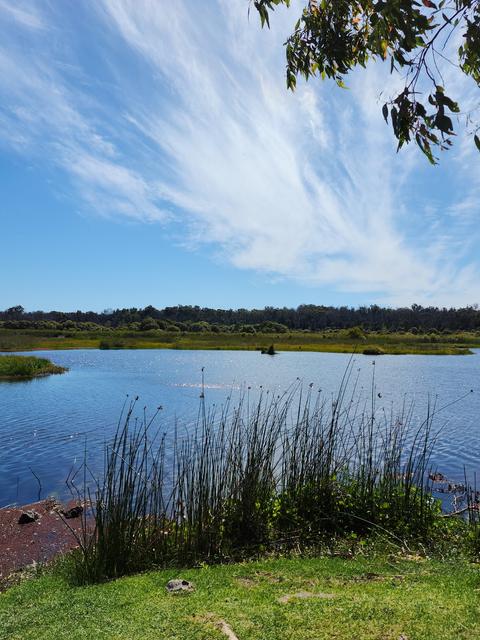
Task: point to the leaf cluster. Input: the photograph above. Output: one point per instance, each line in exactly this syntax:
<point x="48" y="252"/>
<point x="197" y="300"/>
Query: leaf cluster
<point x="332" y="38"/>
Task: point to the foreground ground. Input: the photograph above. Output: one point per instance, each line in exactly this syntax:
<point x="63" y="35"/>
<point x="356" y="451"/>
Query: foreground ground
<point x="39" y="541"/>
<point x="338" y="341"/>
<point x="313" y="599"/>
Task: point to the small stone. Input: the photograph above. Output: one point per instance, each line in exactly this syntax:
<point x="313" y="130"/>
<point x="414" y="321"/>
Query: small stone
<point x="28" y="516"/>
<point x="437" y="477"/>
<point x="176" y="586"/>
<point x="226" y="629"/>
<point x="52" y="505"/>
<point x="74" y="512"/>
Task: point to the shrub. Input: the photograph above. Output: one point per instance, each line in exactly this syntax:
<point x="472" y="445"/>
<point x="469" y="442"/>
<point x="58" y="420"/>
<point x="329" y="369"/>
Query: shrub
<point x="356" y="333"/>
<point x="164" y="325"/>
<point x="199" y="327"/>
<point x="112" y="344"/>
<point x="148" y="324"/>
<point x="247" y="328"/>
<point x="273" y="327"/>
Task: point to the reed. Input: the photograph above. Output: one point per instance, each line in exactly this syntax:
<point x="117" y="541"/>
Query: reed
<point x="472" y="506"/>
<point x="270" y="472"/>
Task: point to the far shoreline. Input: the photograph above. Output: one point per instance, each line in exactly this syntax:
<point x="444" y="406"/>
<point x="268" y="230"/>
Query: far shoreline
<point x="458" y="351"/>
<point x="347" y="341"/>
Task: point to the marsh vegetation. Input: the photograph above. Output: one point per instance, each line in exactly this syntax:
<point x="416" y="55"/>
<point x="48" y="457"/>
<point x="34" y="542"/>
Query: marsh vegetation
<point x="26" y="367"/>
<point x="333" y="341"/>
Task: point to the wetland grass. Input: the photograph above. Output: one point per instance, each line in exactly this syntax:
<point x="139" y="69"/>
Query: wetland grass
<point x="332" y="341"/>
<point x="26" y="367"/>
<point x="268" y="474"/>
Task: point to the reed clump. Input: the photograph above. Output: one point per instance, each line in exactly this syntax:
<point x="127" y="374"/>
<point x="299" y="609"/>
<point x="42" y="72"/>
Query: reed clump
<point x="270" y="473"/>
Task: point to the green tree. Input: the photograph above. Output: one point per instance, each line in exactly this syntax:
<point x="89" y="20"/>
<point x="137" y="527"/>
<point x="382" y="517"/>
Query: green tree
<point x="332" y="38"/>
<point x="15" y="312"/>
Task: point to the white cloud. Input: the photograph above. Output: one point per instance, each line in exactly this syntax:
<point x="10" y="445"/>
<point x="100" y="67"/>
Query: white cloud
<point x="302" y="186"/>
<point x="24" y="16"/>
<point x="43" y="119"/>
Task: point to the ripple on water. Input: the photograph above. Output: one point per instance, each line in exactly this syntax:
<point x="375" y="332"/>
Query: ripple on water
<point x="46" y="424"/>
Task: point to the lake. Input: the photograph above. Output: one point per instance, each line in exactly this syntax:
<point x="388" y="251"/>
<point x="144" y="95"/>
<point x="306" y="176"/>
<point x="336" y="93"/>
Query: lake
<point x="46" y="423"/>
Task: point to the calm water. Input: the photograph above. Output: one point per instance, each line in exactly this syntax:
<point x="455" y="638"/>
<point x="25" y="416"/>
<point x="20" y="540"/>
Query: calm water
<point x="45" y="424"/>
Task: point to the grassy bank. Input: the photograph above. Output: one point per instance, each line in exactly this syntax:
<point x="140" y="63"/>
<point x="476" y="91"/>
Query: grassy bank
<point x="338" y="341"/>
<point x="367" y="598"/>
<point x="26" y="367"/>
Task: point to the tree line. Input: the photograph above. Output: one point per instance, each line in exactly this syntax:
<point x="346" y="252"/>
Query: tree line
<point x="306" y="317"/>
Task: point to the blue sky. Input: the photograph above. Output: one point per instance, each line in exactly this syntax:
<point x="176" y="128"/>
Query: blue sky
<point x="150" y="154"/>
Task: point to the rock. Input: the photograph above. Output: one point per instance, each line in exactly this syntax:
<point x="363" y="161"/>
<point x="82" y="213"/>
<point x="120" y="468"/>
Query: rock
<point x="52" y="505"/>
<point x="28" y="516"/>
<point x="221" y="625"/>
<point x="270" y="351"/>
<point x="226" y="629"/>
<point x="437" y="477"/>
<point x="176" y="586"/>
<point x="74" y="512"/>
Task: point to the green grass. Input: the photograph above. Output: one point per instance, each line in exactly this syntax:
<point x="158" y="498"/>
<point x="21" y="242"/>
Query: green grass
<point x="331" y="341"/>
<point x="25" y="367"/>
<point x="369" y="599"/>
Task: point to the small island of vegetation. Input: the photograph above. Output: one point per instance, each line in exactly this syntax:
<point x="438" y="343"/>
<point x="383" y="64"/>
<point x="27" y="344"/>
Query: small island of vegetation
<point x="26" y="367"/>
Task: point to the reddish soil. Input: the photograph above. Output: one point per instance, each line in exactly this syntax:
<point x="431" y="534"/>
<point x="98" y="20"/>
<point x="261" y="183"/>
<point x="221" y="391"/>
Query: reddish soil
<point x="35" y="542"/>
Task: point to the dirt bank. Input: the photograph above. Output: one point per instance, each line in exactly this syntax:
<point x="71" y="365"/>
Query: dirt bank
<point x="39" y="541"/>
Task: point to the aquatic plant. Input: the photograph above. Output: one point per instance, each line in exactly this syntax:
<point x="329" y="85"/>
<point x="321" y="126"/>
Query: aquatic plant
<point x="269" y="472"/>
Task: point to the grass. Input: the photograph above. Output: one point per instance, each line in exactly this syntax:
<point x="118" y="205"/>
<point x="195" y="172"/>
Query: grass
<point x="26" y="367"/>
<point x="337" y="341"/>
<point x="373" y="599"/>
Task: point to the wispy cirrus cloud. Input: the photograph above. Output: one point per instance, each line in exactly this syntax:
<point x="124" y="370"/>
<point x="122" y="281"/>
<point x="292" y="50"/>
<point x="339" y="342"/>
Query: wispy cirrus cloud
<point x="22" y="14"/>
<point x="48" y="118"/>
<point x="199" y="127"/>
